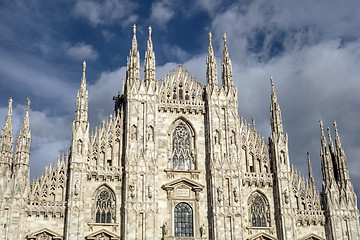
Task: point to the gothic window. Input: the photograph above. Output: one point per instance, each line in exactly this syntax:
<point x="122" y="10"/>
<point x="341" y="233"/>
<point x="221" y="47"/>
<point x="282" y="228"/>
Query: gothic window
<point x="183" y="220"/>
<point x="105" y="206"/>
<point x="258" y="211"/>
<point x="181" y="148"/>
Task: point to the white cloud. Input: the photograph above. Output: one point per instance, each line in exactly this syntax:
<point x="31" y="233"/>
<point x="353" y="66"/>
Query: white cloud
<point x="81" y="51"/>
<point x="101" y="94"/>
<point x="162" y="12"/>
<point x="106" y="12"/>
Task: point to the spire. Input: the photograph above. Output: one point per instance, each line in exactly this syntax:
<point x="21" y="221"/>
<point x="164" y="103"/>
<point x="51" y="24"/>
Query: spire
<point x="133" y="64"/>
<point x="211" y="70"/>
<point x="81" y="112"/>
<point x="326" y="161"/>
<point x="26" y="121"/>
<point x="337" y="138"/>
<point x="22" y="149"/>
<point x="311" y="177"/>
<point x="275" y="112"/>
<point x="83" y="79"/>
<point x="134" y="41"/>
<point x="227" y="75"/>
<point x="7" y="138"/>
<point x="341" y="158"/>
<point x="149" y="61"/>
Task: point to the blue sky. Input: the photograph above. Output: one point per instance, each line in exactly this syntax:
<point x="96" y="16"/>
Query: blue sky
<point x="311" y="48"/>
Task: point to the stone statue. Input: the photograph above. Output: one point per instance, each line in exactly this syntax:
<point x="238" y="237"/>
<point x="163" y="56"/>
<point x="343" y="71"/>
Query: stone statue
<point x="76" y="188"/>
<point x="165" y="229"/>
<point x="202" y="230"/>
<point x="219" y="192"/>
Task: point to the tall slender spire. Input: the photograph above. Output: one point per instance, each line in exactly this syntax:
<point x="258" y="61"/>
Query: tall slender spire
<point x="22" y="149"/>
<point x="227" y="74"/>
<point x="134" y="41"/>
<point x="81" y="112"/>
<point x="341" y="158"/>
<point x="311" y="177"/>
<point x="83" y="79"/>
<point x="326" y="161"/>
<point x="133" y="64"/>
<point x="7" y="138"/>
<point x="211" y="70"/>
<point x="149" y="61"/>
<point x="276" y="120"/>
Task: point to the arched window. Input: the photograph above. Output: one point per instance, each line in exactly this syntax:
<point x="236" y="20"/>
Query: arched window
<point x="105" y="206"/>
<point x="183" y="220"/>
<point x="258" y="211"/>
<point x="181" y="148"/>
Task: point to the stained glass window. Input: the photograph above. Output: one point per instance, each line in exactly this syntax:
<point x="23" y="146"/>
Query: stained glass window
<point x="183" y="220"/>
<point x="258" y="212"/>
<point x="181" y="148"/>
<point x="104" y="206"/>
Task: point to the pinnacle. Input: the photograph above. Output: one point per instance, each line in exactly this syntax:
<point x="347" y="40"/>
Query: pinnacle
<point x="84" y="68"/>
<point x="321" y="127"/>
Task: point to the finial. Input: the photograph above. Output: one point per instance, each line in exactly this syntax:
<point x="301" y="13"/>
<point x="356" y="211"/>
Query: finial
<point x="10" y="107"/>
<point x="84" y="68"/>
<point x="321" y="126"/>
<point x="329" y="133"/>
<point x="134" y="29"/>
<point x="253" y="122"/>
<point x="210" y="36"/>
<point x="224" y="37"/>
<point x="335" y="126"/>
<point x="150" y="30"/>
<point x="308" y="156"/>
<point x="28" y="104"/>
<point x="272" y="81"/>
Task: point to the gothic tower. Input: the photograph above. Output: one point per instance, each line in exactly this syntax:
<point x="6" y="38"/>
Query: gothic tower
<point x="77" y="175"/>
<point x="279" y="153"/>
<point x="339" y="199"/>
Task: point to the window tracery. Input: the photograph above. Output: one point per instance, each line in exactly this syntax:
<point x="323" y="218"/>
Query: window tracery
<point x="258" y="211"/>
<point x="181" y="154"/>
<point x="105" y="206"/>
<point x="183" y="220"/>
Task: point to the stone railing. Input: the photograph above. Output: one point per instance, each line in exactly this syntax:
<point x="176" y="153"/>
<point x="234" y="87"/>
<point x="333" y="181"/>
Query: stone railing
<point x="257" y="179"/>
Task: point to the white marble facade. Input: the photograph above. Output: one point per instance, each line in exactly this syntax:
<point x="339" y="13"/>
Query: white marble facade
<point x="174" y="161"/>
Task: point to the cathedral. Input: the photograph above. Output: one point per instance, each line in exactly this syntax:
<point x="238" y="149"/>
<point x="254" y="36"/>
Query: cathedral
<point x="175" y="161"/>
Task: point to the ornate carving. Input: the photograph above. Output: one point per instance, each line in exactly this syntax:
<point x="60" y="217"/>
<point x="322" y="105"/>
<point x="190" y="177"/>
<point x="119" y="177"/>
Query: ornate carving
<point x="150" y="191"/>
<point x="132" y="190"/>
<point x="236" y="199"/>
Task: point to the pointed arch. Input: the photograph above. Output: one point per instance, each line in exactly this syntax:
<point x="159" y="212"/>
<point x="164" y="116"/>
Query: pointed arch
<point x="104" y="205"/>
<point x="182" y="141"/>
<point x="258" y="206"/>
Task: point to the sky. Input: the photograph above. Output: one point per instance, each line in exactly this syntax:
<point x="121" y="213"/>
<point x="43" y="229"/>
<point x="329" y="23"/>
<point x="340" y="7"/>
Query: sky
<point x="311" y="48"/>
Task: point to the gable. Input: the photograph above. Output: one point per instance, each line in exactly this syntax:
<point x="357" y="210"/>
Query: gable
<point x="102" y="234"/>
<point x="262" y="236"/>
<point x="311" y="237"/>
<point x="183" y="181"/>
<point x="45" y="234"/>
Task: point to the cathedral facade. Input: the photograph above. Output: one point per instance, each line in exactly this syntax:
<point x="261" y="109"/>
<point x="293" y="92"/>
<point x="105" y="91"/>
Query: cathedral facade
<point x="174" y="161"/>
